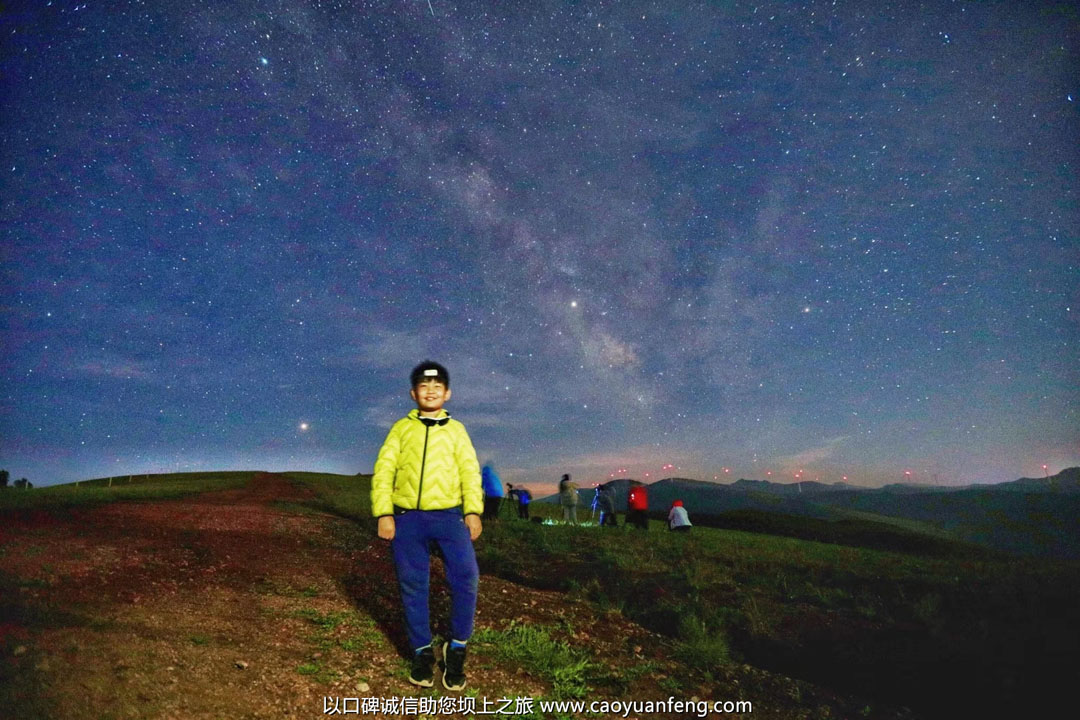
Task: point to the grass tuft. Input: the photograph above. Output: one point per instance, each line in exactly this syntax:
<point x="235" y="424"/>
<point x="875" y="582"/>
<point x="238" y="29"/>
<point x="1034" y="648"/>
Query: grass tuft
<point x="701" y="647"/>
<point x="532" y="647"/>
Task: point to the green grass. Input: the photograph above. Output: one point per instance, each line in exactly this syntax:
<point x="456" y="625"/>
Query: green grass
<point x="136" y="487"/>
<point x="533" y="648"/>
<point x="352" y="644"/>
<point x="702" y="648"/>
<point x="853" y="528"/>
<point x="319" y="672"/>
<point x="914" y="625"/>
<point x="898" y="627"/>
<point x="324" y="621"/>
<point x="345" y="495"/>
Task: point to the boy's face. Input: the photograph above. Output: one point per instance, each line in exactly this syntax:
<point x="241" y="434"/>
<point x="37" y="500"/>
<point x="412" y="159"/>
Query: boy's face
<point x="430" y="394"/>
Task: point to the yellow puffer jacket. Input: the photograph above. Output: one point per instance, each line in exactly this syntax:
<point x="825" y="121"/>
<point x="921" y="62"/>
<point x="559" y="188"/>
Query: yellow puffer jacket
<point x="427" y="467"/>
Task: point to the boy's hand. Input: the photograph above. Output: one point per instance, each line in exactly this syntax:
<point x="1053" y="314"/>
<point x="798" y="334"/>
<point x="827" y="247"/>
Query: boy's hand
<point x="475" y="526"/>
<point x="387" y="527"/>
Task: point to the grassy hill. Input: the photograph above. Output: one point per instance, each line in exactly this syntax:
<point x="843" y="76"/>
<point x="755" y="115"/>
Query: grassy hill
<point x="882" y="615"/>
<point x="951" y="636"/>
<point x="854" y="529"/>
<point x="942" y="627"/>
<point x="1035" y="517"/>
<point x="121" y="487"/>
<point x="1035" y="523"/>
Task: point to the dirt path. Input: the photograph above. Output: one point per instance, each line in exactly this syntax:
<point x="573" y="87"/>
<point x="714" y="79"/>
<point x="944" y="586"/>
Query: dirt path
<point x="201" y="607"/>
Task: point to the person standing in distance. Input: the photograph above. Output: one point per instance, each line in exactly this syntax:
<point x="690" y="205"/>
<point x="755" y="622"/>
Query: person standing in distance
<point x="568" y="498"/>
<point x="426" y="488"/>
<point x="678" y="519"/>
<point x="493" y="491"/>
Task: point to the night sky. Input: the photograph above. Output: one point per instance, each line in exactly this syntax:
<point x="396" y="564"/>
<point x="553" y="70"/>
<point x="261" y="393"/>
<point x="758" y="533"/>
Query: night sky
<point x="739" y="239"/>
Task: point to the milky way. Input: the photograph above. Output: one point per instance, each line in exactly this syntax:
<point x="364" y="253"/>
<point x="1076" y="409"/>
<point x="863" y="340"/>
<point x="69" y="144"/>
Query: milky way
<point x="739" y="239"/>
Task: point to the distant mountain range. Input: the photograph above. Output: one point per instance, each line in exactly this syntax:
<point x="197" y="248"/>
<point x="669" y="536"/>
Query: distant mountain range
<point x="1031" y="516"/>
<point x="1067" y="480"/>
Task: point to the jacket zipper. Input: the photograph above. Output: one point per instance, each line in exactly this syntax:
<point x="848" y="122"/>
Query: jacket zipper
<point x="423" y="461"/>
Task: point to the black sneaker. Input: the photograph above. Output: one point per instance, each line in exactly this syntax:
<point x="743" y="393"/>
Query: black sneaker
<point x="453" y="667"/>
<point x="423" y="668"/>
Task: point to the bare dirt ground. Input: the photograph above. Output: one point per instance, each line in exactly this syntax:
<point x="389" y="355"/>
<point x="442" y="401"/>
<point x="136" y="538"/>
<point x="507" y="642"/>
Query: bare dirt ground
<point x="246" y="604"/>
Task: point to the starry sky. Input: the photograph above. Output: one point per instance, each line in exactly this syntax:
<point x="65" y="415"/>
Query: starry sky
<point x="698" y="239"/>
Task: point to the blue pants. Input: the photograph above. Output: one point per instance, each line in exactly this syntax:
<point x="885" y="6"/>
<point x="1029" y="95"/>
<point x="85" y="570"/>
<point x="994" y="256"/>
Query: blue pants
<point x="413" y="531"/>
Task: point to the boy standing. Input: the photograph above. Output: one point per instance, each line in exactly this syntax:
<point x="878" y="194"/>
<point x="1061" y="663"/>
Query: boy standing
<point x="426" y="488"/>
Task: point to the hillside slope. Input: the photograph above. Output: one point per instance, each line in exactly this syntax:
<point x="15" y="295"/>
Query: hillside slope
<point x="274" y="599"/>
<point x="1033" y="517"/>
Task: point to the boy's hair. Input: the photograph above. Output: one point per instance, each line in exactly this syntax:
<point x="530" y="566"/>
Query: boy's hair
<point x="429" y="369"/>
